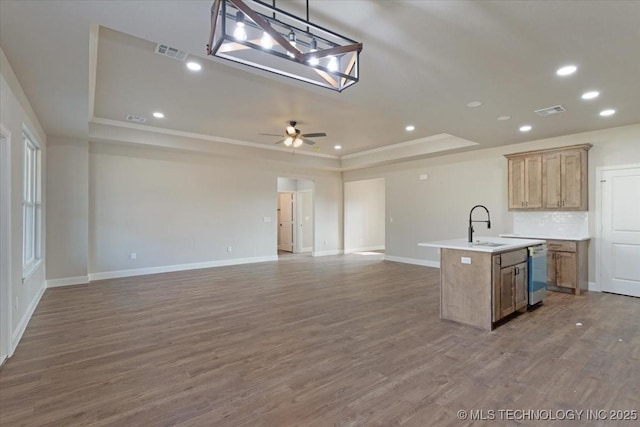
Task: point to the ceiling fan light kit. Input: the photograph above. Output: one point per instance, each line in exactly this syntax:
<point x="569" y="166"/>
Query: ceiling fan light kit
<point x="260" y="35"/>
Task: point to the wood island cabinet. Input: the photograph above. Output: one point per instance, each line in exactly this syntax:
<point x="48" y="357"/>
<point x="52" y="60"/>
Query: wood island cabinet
<point x="549" y="180"/>
<point x="510" y="279"/>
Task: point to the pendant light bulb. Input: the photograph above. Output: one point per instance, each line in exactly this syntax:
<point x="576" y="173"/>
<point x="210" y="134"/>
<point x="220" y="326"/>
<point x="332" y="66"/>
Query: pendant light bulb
<point x="313" y="47"/>
<point x="288" y="141"/>
<point x="333" y="64"/>
<point x="292" y="38"/>
<point x="240" y="33"/>
<point x="266" y="41"/>
<point x="297" y="142"/>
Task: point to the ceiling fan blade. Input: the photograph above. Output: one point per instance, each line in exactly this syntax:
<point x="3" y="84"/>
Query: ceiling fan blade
<point x="314" y="135"/>
<point x="270" y="134"/>
<point x="308" y="141"/>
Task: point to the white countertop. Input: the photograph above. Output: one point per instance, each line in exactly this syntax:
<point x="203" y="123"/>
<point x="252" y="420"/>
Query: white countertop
<point x="506" y="244"/>
<point x="547" y="237"/>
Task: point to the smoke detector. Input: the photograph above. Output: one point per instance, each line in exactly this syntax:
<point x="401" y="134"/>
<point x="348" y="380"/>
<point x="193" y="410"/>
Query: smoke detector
<point x="550" y="110"/>
<point x="171" y="52"/>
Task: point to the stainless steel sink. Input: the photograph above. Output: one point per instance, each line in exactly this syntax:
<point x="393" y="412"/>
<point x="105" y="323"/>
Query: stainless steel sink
<point x="489" y="244"/>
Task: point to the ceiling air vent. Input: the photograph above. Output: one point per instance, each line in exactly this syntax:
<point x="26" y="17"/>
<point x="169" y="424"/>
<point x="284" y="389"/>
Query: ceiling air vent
<point x="550" y="110"/>
<point x="136" y="119"/>
<point x="171" y="52"/>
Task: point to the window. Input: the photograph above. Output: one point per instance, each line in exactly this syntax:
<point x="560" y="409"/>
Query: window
<point x="31" y="205"/>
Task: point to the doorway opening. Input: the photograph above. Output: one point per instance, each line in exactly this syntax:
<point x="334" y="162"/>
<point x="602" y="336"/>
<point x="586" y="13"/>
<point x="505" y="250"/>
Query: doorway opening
<point x="5" y="245"/>
<point x="364" y="216"/>
<point x="295" y="216"/>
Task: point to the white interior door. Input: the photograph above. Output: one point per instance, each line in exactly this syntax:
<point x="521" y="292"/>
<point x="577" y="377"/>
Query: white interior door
<point x="621" y="231"/>
<point x="285" y="222"/>
<point x="5" y="247"/>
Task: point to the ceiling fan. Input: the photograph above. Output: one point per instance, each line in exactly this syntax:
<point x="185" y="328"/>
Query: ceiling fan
<point x="294" y="138"/>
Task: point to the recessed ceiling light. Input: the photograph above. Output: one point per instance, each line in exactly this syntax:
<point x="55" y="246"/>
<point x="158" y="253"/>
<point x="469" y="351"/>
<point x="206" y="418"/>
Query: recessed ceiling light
<point x="410" y="128"/>
<point x="566" y="70"/>
<point x="525" y="128"/>
<point x="338" y="147"/>
<point x="591" y="94"/>
<point x="504" y="117"/>
<point x="194" y="66"/>
<point x="607" y="113"/>
<point x="474" y="104"/>
<point x="158" y="115"/>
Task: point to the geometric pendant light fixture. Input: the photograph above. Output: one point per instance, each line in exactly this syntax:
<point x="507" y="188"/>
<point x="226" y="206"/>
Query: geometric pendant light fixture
<point x="260" y="35"/>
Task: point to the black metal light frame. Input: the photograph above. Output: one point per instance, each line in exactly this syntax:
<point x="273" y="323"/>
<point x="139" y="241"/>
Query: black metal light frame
<point x="295" y="61"/>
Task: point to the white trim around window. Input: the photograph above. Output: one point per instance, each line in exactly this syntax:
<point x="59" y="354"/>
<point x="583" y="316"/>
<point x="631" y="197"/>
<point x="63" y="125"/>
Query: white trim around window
<point x="31" y="204"/>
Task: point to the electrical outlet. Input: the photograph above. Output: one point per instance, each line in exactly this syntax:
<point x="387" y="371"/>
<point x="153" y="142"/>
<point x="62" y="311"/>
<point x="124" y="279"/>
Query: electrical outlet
<point x="229" y="249"/>
<point x="391" y="219"/>
<point x="465" y="260"/>
<point x="325" y="242"/>
<point x="134" y="255"/>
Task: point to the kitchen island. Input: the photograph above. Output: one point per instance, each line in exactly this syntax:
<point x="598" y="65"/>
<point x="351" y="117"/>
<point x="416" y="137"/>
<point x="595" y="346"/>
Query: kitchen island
<point x="482" y="282"/>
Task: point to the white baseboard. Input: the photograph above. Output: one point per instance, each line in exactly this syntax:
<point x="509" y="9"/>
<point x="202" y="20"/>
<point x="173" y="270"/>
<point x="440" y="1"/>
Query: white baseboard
<point x="67" y="281"/>
<point x="327" y="253"/>
<point x="364" y="249"/>
<point x="177" y="267"/>
<point x="309" y="249"/>
<point x="423" y="262"/>
<point x="22" y="326"/>
<point x="594" y="287"/>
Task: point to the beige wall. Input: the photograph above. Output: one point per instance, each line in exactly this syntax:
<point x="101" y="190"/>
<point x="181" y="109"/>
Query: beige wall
<point x="16" y="113"/>
<point x="68" y="209"/>
<point x="175" y="208"/>
<point x="364" y="215"/>
<point x="438" y="208"/>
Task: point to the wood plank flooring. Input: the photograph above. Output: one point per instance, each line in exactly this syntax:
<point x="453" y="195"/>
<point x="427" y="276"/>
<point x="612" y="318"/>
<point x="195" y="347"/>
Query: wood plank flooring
<point x="333" y="341"/>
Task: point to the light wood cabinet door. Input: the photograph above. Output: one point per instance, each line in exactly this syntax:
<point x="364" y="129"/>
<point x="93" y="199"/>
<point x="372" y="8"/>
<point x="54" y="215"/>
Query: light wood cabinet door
<point x="516" y="183"/>
<point x="551" y="268"/>
<point x="507" y="277"/>
<point x="571" y="179"/>
<point x="551" y="181"/>
<point x="566" y="270"/>
<point x="520" y="283"/>
<point x="525" y="182"/>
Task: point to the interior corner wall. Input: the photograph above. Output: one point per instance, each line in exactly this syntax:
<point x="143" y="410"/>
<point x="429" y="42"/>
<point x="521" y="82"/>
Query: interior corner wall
<point x="364" y="215"/>
<point x="178" y="209"/>
<point x="438" y="208"/>
<point x="68" y="210"/>
<point x="16" y="113"/>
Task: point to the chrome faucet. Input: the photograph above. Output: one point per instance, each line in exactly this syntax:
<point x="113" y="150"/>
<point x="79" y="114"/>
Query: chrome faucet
<point x="488" y="221"/>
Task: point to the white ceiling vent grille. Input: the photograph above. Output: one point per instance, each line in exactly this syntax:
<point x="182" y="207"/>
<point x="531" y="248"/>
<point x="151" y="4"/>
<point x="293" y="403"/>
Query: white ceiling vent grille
<point x="136" y="119"/>
<point x="551" y="110"/>
<point x="171" y="52"/>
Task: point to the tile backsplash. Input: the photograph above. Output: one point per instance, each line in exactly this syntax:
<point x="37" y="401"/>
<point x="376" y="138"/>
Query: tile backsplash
<point x="560" y="224"/>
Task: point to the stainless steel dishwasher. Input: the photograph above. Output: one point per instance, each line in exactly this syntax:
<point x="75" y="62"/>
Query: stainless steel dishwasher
<point x="537" y="264"/>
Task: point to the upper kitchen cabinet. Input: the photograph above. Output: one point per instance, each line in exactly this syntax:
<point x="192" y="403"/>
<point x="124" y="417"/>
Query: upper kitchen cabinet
<point x="525" y="182"/>
<point x="554" y="179"/>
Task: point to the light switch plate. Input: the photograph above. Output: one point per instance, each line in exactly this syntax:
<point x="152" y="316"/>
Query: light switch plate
<point x="465" y="260"/>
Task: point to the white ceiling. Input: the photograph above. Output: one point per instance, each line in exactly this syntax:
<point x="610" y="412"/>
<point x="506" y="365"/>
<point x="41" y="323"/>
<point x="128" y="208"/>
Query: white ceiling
<point x="422" y="62"/>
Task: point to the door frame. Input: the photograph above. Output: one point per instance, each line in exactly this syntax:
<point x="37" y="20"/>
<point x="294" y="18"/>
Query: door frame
<point x="293" y="220"/>
<point x="6" y="349"/>
<point x="597" y="286"/>
<point x="297" y="243"/>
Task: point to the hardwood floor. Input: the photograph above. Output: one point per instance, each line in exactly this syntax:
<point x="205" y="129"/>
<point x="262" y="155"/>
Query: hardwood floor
<point x="331" y="341"/>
